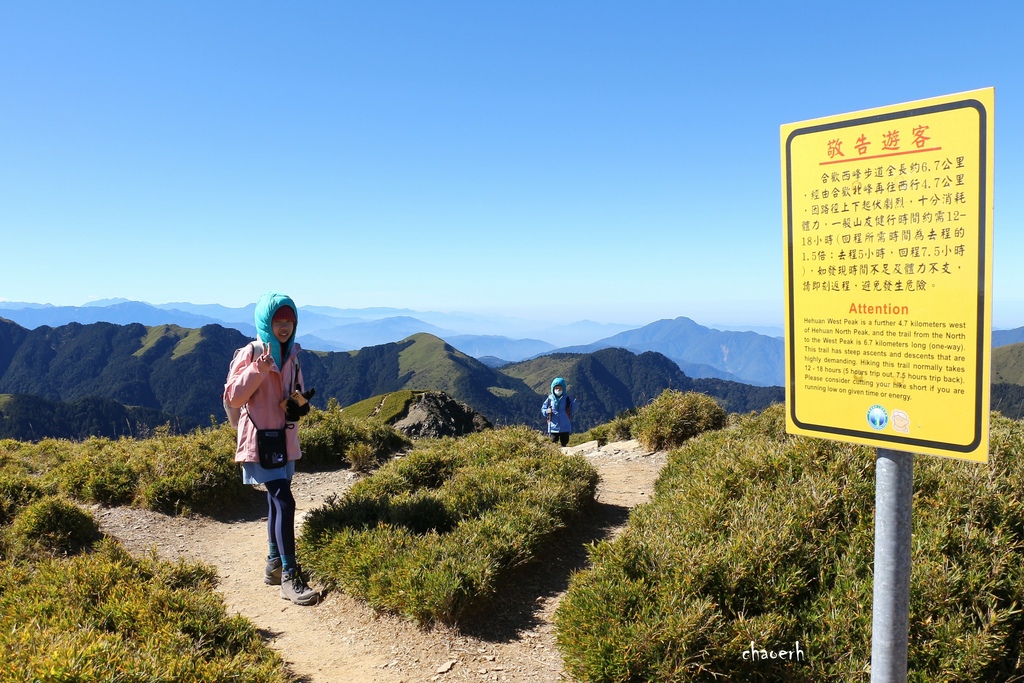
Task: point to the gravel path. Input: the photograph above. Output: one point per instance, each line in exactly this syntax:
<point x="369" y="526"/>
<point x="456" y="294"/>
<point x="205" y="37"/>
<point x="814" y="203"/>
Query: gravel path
<point x="342" y="640"/>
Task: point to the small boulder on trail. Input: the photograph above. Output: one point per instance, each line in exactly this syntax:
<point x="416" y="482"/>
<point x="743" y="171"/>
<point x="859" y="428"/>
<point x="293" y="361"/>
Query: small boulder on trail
<point x="436" y="414"/>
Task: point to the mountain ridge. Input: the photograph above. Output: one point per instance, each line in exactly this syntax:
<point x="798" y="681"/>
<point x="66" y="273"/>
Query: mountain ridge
<point x="326" y="328"/>
<point x="181" y="371"/>
<point x="322" y="328"/>
<point x="745" y="356"/>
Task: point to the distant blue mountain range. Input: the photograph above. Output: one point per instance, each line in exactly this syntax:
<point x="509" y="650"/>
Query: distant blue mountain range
<point x="1007" y="337"/>
<point x="700" y="352"/>
<point x="704" y="352"/>
<point x="121" y="313"/>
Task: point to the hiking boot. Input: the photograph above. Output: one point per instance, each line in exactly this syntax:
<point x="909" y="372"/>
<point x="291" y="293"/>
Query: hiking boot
<point x="272" y="574"/>
<point x="294" y="588"/>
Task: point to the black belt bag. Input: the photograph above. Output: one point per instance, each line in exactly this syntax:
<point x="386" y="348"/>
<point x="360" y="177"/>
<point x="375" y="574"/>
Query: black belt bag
<point x="271" y="445"/>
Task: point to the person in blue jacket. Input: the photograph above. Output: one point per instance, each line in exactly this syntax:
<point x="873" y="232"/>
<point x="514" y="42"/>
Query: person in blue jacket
<point x="558" y="408"/>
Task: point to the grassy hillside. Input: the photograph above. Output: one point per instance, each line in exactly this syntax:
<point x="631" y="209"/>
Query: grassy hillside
<point x="754" y="536"/>
<point x="165" y="368"/>
<point x="605" y="382"/>
<point x="156" y="334"/>
<point x="387" y="408"/>
<point x="30" y="418"/>
<point x="434" y="535"/>
<point x="108" y="616"/>
<point x="1008" y="364"/>
<point x="421" y="362"/>
<point x="610" y="381"/>
<point x="1008" y="380"/>
<point x="181" y="372"/>
<point x="75" y="609"/>
<point x="430" y="363"/>
<point x="1008" y="399"/>
<point x="538" y="372"/>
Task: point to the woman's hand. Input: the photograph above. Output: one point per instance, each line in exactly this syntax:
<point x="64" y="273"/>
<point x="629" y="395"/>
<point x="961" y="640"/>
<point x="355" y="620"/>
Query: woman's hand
<point x="265" y="361"/>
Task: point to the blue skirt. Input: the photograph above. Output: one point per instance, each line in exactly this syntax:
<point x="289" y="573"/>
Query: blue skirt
<point x="255" y="473"/>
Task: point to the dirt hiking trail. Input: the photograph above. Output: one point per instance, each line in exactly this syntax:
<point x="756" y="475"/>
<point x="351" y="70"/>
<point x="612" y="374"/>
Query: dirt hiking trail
<point x="341" y="640"/>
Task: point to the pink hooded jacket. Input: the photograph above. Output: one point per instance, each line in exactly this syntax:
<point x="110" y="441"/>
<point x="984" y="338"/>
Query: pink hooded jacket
<point x="260" y="394"/>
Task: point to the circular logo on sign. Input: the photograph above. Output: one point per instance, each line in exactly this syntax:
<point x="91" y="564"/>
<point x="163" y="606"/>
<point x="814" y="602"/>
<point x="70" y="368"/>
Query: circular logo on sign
<point x="878" y="418"/>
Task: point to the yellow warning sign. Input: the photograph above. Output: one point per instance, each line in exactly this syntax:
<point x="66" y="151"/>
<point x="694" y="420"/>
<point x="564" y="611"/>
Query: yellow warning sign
<point x="887" y="228"/>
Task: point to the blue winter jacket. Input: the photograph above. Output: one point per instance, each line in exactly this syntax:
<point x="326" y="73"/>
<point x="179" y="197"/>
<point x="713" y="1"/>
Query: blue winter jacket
<point x="559" y="422"/>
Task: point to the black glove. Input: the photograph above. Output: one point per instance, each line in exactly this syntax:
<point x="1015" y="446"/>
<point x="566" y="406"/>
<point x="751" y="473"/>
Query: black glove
<point x="293" y="411"/>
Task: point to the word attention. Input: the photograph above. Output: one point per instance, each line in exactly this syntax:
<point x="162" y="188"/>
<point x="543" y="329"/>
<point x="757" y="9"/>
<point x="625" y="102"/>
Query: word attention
<point x="884" y="309"/>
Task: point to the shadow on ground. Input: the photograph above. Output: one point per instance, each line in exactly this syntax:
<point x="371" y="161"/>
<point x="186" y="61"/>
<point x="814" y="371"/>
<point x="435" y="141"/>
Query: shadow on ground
<point x="518" y="607"/>
<point x="251" y="506"/>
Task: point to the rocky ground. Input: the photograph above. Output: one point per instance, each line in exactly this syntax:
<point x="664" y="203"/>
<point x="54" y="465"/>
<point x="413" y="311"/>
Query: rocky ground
<point x="435" y="414"/>
<point x="341" y="639"/>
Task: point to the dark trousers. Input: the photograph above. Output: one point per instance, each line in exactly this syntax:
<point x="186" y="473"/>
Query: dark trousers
<point x="281" y="517"/>
<point x="561" y="438"/>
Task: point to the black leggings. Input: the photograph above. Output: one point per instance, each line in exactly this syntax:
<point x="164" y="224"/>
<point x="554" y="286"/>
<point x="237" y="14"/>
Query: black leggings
<point x="559" y="437"/>
<point x="281" y="518"/>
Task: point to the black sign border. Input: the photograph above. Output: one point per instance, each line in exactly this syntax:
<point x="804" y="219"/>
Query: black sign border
<point x="982" y="353"/>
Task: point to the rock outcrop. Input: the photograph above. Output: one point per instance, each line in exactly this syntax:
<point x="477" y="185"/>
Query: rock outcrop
<point x="436" y="414"/>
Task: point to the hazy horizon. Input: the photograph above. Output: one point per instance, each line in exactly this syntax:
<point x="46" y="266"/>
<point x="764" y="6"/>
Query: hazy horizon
<point x="563" y="161"/>
<point x="383" y="312"/>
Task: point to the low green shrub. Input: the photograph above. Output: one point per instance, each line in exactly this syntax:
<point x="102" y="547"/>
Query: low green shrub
<point x="327" y="436"/>
<point x="178" y="473"/>
<point x="598" y="434"/>
<point x="620" y="428"/>
<point x="102" y="472"/>
<point x="757" y="537"/>
<point x="430" y="534"/>
<point x="106" y="616"/>
<point x="16" y="490"/>
<point x="196" y="472"/>
<point x="170" y="473"/>
<point x="362" y="456"/>
<point x="50" y="526"/>
<point x="673" y="417"/>
<point x="35" y="458"/>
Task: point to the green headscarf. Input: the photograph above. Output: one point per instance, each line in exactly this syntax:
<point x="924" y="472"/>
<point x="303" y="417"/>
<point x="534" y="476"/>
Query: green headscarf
<point x="266" y="307"/>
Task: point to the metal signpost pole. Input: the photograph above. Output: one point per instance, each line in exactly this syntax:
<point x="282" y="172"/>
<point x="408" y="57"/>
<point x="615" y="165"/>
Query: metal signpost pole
<point x="890" y="617"/>
<point x="883" y="348"/>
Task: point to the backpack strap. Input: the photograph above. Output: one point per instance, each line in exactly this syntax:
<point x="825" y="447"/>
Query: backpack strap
<point x="255" y="349"/>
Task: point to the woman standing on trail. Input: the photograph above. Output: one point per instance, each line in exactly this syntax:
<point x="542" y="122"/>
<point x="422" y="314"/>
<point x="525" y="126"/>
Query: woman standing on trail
<point x="262" y="382"/>
<point x="558" y="409"/>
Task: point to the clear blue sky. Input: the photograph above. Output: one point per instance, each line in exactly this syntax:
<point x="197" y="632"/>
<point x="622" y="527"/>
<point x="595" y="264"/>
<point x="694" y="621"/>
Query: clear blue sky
<point x="567" y="160"/>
